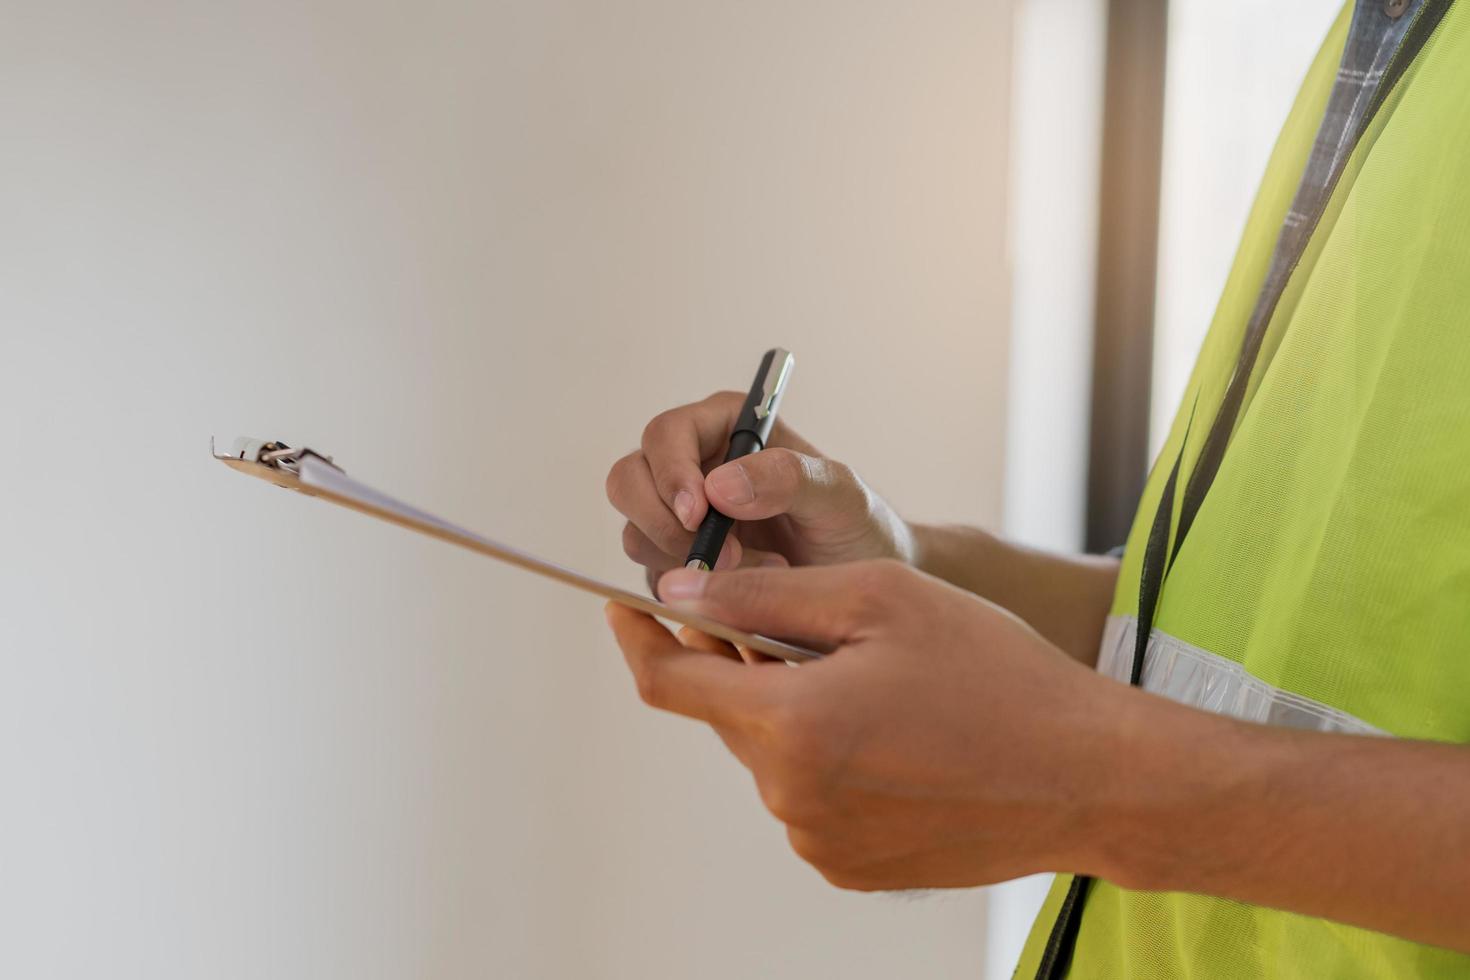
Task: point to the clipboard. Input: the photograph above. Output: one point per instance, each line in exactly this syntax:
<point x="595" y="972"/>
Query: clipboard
<point x="314" y="474"/>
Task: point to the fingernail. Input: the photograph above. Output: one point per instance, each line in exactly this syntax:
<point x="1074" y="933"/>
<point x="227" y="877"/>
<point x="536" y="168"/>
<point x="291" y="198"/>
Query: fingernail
<point x="731" y="484"/>
<point x="682" y="583"/>
<point x="774" y="561"/>
<point x="684" y="508"/>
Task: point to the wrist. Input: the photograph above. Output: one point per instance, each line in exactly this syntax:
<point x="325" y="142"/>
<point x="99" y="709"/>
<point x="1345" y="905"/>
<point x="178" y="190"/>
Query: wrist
<point x="1065" y="597"/>
<point x="950" y="552"/>
<point x="1177" y="785"/>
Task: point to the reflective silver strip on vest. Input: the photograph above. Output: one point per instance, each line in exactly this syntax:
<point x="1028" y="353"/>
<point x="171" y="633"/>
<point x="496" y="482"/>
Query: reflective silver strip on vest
<point x="1201" y="679"/>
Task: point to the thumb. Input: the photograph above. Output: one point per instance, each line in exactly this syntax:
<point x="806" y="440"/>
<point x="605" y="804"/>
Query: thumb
<point x="811" y="490"/>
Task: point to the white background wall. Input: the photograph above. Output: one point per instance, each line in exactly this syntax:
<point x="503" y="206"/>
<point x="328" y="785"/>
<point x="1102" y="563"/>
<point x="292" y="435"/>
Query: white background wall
<point x="1056" y="146"/>
<point x="469" y="249"/>
<point x="1056" y="150"/>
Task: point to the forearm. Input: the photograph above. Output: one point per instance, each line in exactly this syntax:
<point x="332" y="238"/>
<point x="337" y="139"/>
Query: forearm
<point x="1369" y="831"/>
<point x="1064" y="597"/>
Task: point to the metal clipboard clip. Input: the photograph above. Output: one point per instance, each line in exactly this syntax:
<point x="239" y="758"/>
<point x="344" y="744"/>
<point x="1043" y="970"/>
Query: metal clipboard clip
<point x="274" y="455"/>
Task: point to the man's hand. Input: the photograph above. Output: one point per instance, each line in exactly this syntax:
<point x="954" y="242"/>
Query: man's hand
<point x="942" y="744"/>
<point x="792" y="504"/>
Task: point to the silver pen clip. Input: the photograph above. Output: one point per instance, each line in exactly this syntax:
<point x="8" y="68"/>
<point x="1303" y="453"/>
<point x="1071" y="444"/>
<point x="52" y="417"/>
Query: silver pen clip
<point x="775" y="381"/>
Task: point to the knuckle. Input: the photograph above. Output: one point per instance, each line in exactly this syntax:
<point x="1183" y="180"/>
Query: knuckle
<point x="813" y="848"/>
<point x="784" y="720"/>
<point x="809" y="735"/>
<point x="844" y="483"/>
<point x="890" y="571"/>
<point x="783" y="799"/>
<point x="869" y="584"/>
<point x="787" y="469"/>
<point x="733" y="399"/>
<point x="842" y="475"/>
<point x="619" y="478"/>
<point x="736" y="590"/>
<point x="649" y="687"/>
<point x="787" y="462"/>
<point x="668" y="537"/>
<point x="804" y="755"/>
<point x="632" y="541"/>
<point x="791" y="732"/>
<point x="661" y="428"/>
<point x="878" y="580"/>
<point x="837" y="860"/>
<point x="849" y="880"/>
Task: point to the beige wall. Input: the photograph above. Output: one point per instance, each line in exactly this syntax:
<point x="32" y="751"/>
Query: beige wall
<point x="468" y="248"/>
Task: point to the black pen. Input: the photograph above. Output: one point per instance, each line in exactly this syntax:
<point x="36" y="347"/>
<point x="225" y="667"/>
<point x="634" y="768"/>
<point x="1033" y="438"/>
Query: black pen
<point x="752" y="429"/>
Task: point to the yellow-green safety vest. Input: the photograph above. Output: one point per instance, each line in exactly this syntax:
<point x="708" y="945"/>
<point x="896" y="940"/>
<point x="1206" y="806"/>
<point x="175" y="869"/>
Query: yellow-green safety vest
<point x="1325" y="579"/>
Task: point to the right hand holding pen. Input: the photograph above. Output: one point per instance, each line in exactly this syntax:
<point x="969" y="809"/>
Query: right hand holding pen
<point x="792" y="504"/>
